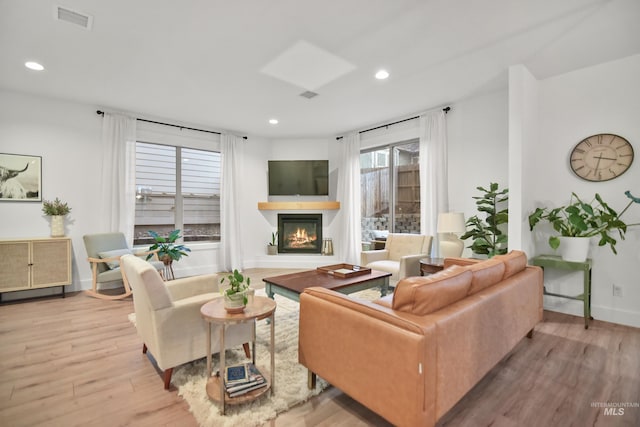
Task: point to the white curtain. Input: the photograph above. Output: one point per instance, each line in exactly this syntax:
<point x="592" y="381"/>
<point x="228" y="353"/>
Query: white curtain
<point x="349" y="197"/>
<point x="118" y="195"/>
<point x="434" y="186"/>
<point x="231" y="239"/>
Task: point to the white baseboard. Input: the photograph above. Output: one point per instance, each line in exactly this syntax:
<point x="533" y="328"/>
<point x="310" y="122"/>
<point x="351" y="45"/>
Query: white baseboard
<point x="606" y="314"/>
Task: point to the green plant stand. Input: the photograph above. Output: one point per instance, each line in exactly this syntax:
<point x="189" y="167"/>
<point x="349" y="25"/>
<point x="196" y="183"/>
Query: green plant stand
<point x="552" y="261"/>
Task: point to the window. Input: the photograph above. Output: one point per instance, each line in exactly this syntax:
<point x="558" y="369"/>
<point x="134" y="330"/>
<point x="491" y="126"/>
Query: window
<point x="390" y="177"/>
<point x="177" y="187"/>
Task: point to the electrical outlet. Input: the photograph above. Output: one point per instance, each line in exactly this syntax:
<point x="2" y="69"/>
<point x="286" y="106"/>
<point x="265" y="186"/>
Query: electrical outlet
<point x="617" y="290"/>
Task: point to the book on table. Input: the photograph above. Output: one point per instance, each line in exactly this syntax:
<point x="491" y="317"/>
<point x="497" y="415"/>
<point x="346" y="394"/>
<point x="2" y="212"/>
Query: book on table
<point x="243" y="378"/>
<point x="236" y="374"/>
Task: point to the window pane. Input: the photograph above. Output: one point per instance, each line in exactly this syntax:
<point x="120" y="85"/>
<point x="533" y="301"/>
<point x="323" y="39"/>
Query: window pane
<point x="374" y="186"/>
<point x="155" y="190"/>
<point x="201" y="195"/>
<point x="390" y="176"/>
<point x="407" y="188"/>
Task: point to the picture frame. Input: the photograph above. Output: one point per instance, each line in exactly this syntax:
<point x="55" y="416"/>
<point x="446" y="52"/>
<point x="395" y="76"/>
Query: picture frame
<point x="20" y="178"/>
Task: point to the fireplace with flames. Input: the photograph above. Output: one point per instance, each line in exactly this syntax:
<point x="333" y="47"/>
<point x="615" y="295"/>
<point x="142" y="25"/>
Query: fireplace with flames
<point x="300" y="233"/>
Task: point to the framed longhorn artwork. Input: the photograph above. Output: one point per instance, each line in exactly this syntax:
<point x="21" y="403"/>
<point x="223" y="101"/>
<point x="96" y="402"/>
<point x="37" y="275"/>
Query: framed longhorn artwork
<point x="20" y="178"/>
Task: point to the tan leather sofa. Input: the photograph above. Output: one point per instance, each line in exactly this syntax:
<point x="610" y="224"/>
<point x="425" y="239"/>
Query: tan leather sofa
<point x="411" y="356"/>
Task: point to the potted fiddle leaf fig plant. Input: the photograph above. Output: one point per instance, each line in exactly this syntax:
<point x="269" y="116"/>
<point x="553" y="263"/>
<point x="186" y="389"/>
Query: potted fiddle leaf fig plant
<point x="57" y="210"/>
<point x="579" y="221"/>
<point x="488" y="234"/>
<point x="167" y="250"/>
<point x="235" y="294"/>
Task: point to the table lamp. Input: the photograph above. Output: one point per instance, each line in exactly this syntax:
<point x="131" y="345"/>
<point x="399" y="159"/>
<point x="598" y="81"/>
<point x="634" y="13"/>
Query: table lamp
<point x="450" y="223"/>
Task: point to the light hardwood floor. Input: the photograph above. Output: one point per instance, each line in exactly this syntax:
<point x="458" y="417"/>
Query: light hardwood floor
<point x="78" y="361"/>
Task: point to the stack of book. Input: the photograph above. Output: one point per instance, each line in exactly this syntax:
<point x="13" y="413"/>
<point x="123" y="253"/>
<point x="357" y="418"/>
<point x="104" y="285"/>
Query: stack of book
<point x="242" y="378"/>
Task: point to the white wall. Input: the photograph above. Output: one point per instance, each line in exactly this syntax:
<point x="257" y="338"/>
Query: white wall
<point x="260" y="224"/>
<point x="477" y="143"/>
<point x="600" y="99"/>
<point x="67" y="136"/>
<point x="478" y="154"/>
<point x="523" y="138"/>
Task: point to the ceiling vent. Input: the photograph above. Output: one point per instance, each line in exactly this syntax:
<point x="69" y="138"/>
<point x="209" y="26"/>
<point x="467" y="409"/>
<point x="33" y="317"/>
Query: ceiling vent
<point x="73" y="17"/>
<point x="308" y="94"/>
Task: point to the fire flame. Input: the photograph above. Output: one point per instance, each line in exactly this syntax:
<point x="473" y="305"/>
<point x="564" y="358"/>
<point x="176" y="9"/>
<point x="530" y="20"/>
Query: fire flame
<point x="300" y="238"/>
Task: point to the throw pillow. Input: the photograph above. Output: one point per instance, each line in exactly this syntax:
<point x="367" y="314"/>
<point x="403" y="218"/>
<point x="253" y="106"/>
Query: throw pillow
<point x="380" y="234"/>
<point x="486" y="273"/>
<point x="424" y="295"/>
<point x="514" y="262"/>
<point x="112" y="254"/>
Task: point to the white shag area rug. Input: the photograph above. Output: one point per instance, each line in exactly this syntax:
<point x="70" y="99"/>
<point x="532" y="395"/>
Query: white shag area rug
<point x="290" y="382"/>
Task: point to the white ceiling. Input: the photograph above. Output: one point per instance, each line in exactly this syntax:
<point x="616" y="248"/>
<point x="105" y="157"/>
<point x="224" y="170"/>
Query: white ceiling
<point x="200" y="62"/>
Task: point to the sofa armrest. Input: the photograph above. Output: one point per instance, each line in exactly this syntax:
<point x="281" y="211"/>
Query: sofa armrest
<point x="189" y="286"/>
<point x="367" y="257"/>
<point x="410" y="265"/>
<point x="370" y="352"/>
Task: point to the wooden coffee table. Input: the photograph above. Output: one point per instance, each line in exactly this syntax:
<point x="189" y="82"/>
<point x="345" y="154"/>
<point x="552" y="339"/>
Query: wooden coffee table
<point x="292" y="285"/>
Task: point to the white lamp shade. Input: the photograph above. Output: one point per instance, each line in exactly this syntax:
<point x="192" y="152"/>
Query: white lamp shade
<point x="451" y="222"/>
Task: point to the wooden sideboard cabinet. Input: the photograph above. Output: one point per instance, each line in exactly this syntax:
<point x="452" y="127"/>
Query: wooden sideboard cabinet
<point x="35" y="263"/>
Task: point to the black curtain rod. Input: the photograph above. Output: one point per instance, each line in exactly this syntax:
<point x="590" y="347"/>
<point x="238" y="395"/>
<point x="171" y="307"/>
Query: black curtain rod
<point x="445" y="109"/>
<point x="101" y="113"/>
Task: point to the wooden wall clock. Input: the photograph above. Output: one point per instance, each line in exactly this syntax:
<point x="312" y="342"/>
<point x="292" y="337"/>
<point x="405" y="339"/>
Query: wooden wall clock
<point x="601" y="157"/>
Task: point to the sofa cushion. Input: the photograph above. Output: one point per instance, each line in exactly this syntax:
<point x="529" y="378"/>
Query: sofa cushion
<point x="514" y="262"/>
<point x="424" y="295"/>
<point x="486" y="273"/>
<point x="385" y="265"/>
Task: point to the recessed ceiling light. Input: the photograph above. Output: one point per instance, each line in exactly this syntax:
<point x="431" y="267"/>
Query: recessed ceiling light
<point x="382" y="74"/>
<point x="33" y="66"/>
<point x="273" y="121"/>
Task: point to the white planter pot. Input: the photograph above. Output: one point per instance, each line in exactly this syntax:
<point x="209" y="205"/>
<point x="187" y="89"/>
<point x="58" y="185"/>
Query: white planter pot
<point x="57" y="226"/>
<point x="574" y="249"/>
<point x="234" y="303"/>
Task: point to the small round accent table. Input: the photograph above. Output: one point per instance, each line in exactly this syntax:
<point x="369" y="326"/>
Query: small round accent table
<point x="214" y="312"/>
<point x="431" y="265"/>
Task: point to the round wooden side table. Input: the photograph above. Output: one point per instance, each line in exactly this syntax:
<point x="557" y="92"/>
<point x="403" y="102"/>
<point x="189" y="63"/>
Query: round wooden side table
<point x="214" y="312"/>
<point x="431" y="265"/>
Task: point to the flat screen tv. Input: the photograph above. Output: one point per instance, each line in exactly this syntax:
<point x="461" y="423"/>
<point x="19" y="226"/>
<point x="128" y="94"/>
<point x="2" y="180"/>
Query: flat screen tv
<point x="298" y="177"/>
